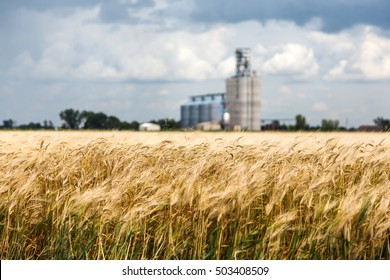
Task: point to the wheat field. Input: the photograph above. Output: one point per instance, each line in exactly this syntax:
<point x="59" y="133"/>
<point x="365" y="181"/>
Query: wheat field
<point x="193" y="195"/>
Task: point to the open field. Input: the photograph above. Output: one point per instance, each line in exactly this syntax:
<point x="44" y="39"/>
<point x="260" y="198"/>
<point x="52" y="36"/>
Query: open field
<point x="192" y="195"/>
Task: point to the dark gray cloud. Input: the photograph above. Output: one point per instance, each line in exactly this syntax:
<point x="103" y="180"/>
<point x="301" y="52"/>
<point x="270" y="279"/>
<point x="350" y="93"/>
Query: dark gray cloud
<point x="8" y="6"/>
<point x="111" y="11"/>
<point x="336" y="14"/>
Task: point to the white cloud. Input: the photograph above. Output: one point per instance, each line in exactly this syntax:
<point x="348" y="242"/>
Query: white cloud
<point x="374" y="58"/>
<point x="6" y="89"/>
<point x="286" y="90"/>
<point x="83" y="49"/>
<point x="338" y="72"/>
<point x="359" y="54"/>
<point x="319" y="107"/>
<point x="148" y="13"/>
<point x="167" y="13"/>
<point x="293" y="59"/>
<point x="260" y="49"/>
<point x="24" y="65"/>
<point x="333" y="43"/>
<point x="163" y="92"/>
<point x="226" y="67"/>
<point x="78" y="46"/>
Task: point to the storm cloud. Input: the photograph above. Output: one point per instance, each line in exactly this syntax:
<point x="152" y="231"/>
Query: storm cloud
<point x="335" y="14"/>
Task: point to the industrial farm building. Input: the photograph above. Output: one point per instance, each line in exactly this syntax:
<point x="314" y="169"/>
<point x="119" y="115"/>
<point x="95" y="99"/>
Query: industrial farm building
<point x="201" y="109"/>
<point x="238" y="109"/>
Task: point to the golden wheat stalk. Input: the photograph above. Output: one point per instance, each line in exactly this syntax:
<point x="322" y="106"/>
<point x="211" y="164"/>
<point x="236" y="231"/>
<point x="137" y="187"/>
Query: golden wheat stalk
<point x="120" y="195"/>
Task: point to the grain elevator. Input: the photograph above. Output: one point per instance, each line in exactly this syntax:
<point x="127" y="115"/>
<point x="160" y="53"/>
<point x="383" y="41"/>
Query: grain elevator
<point x="237" y="109"/>
<point x="243" y="94"/>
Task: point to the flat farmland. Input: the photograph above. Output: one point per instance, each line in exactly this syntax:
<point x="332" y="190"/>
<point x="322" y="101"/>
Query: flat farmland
<point x="193" y="195"/>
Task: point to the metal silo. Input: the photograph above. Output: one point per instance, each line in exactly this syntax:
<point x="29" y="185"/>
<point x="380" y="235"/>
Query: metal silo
<point x="185" y="116"/>
<point x="216" y="111"/>
<point x="204" y="112"/>
<point x="202" y="109"/>
<point x="194" y="114"/>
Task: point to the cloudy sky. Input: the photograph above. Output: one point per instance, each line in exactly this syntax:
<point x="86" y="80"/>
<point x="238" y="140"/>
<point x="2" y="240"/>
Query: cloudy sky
<point x="140" y="60"/>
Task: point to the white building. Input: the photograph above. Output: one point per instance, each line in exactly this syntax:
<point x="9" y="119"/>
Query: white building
<point x="149" y="127"/>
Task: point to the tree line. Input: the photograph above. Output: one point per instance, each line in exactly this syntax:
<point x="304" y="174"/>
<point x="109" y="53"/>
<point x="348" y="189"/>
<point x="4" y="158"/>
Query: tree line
<point x="11" y="124"/>
<point x="75" y="119"/>
<point x="381" y="124"/>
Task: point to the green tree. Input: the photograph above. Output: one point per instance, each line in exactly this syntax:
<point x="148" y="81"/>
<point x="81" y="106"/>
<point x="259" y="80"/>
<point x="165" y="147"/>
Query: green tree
<point x="30" y="126"/>
<point x="134" y="125"/>
<point x="167" y="124"/>
<point x="300" y="122"/>
<point x="113" y="122"/>
<point x="329" y="125"/>
<point x="71" y="118"/>
<point x="94" y="120"/>
<point x="48" y="124"/>
<point x="8" y="124"/>
<point x="383" y="124"/>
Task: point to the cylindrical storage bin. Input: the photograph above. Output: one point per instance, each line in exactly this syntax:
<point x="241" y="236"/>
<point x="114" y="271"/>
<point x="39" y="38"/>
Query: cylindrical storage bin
<point x="194" y="115"/>
<point x="204" y="115"/>
<point x="185" y="116"/>
<point x="216" y="111"/>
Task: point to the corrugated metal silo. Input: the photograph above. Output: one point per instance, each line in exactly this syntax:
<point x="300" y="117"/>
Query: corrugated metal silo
<point x="194" y="114"/>
<point x="216" y="111"/>
<point x="202" y="109"/>
<point x="204" y="113"/>
<point x="185" y="116"/>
